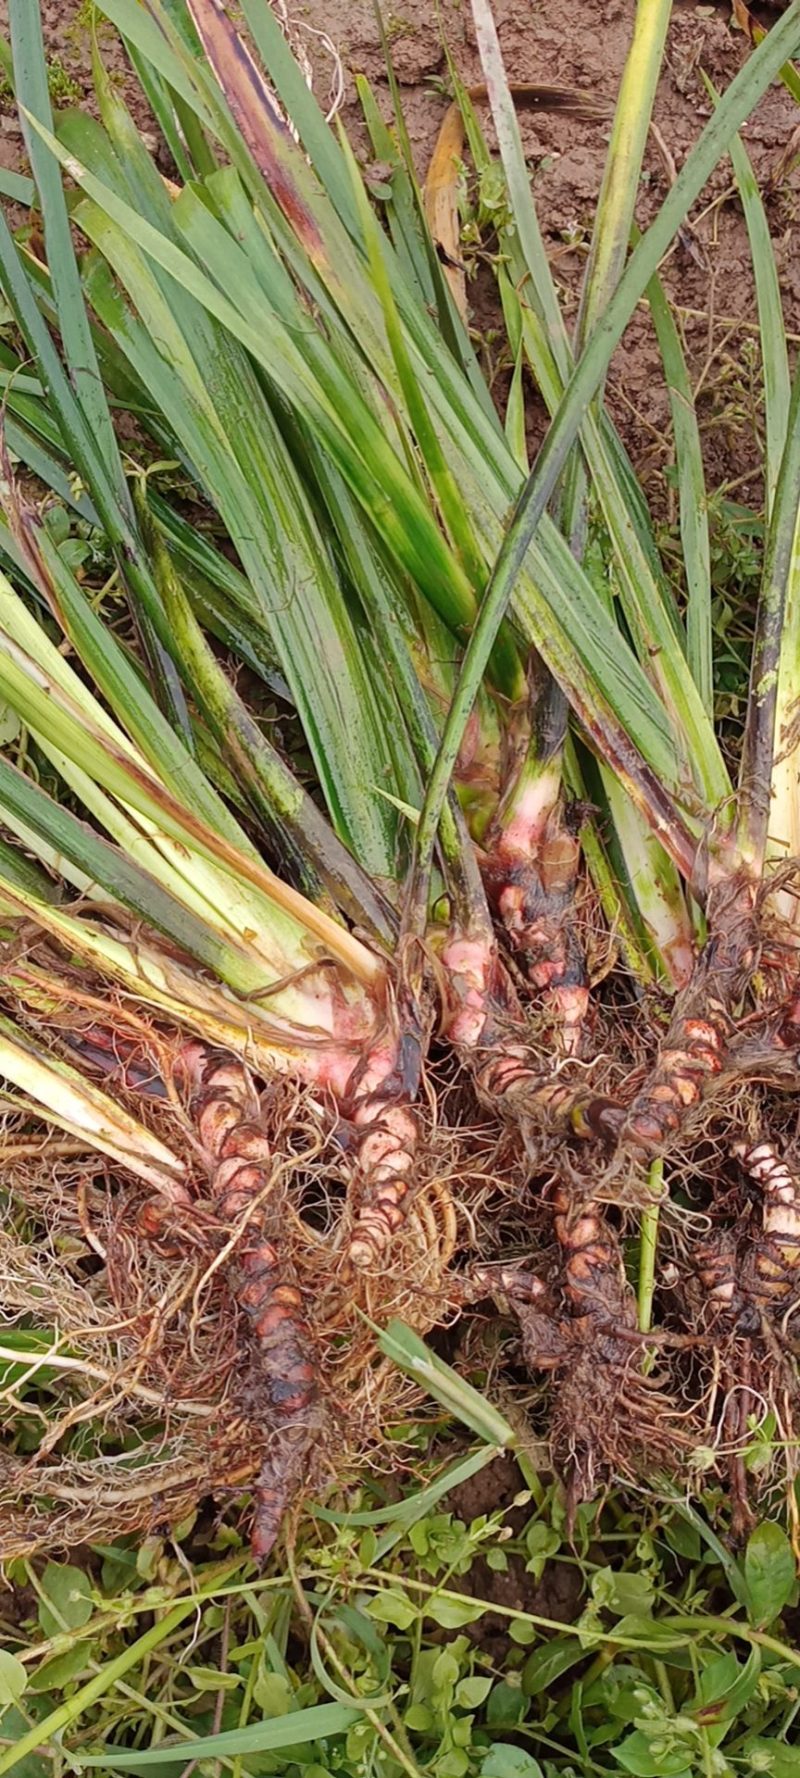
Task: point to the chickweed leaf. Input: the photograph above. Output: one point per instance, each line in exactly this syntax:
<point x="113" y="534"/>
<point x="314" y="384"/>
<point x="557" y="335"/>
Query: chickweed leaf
<point x="505" y="1761"/>
<point x="769" y="1571"/>
<point x="67" y="1604"/>
<point x="13" y="1678"/>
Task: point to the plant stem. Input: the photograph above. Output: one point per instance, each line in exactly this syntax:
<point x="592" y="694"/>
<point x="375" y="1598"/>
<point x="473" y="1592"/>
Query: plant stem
<point x="647" y="1246"/>
<point x="742" y="94"/>
<point x="774" y="649"/>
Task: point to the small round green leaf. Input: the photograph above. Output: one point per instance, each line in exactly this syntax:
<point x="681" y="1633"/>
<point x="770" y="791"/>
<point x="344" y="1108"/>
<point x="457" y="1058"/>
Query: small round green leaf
<point x="769" y="1572"/>
<point x="452" y="1613"/>
<point x="505" y="1761"/>
<point x="391" y="1607"/>
<point x="13" y="1678"/>
<point x="67" y="1602"/>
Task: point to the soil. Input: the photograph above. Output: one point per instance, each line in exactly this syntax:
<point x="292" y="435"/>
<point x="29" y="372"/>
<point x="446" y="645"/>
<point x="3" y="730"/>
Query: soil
<point x="555" y="1595"/>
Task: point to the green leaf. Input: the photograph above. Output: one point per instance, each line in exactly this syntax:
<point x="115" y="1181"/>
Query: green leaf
<point x="453" y="1613"/>
<point x="209" y="1679"/>
<point x="416" y="1505"/>
<point x="622" y="1593"/>
<point x="769" y="1571"/>
<point x="772" y="330"/>
<point x="67" y="1602"/>
<point x="683" y="1539"/>
<point x="742" y="94"/>
<point x="541" y="1541"/>
<point x="274" y="1694"/>
<point x="13" y="1678"/>
<point x="505" y="1706"/>
<point x="17" y="187"/>
<point x="724" y="1690"/>
<point x="506" y="1761"/>
<point x="393" y="1607"/>
<point x="30" y="76"/>
<point x="29" y="1342"/>
<point x="407" y="1350"/>
<point x="772" y="1757"/>
<point x="470" y="1693"/>
<point x="419" y="1718"/>
<point x="54" y="1674"/>
<point x="547" y="1664"/>
<point x="692" y="494"/>
<point x="635" y="1754"/>
<point x="299" y="1729"/>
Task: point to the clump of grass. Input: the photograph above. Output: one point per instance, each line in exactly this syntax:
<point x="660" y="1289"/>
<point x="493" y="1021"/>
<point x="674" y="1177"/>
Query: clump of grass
<point x="64" y="89"/>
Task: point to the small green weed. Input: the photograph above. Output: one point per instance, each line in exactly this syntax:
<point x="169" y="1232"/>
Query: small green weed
<point x="64" y="89"/>
<point x="417" y="1637"/>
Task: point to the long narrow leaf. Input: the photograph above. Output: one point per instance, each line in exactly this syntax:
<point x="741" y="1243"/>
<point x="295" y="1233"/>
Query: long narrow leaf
<point x="692" y="496"/>
<point x="743" y="93"/>
<point x="30" y="74"/>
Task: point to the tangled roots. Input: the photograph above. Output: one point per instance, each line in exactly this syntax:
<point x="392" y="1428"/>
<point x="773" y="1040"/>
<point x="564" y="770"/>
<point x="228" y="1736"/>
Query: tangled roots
<point x="216" y="1328"/>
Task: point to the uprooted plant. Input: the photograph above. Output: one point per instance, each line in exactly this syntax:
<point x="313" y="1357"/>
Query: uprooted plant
<point x="521" y="963"/>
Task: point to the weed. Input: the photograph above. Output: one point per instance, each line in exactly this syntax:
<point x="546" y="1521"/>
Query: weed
<point x="435" y="1644"/>
<point x="64" y="88"/>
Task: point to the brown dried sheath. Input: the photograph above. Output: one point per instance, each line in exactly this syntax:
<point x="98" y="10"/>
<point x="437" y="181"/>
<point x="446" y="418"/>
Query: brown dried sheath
<point x="232" y="1131"/>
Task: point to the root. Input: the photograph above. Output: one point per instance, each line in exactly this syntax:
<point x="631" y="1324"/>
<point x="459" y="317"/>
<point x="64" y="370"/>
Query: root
<point x="772" y="1271"/>
<point x="483" y="1021"/>
<point x="398" y="1170"/>
<point x="609" y="1419"/>
<point x="716" y="1264"/>
<point x="381" y="1098"/>
<point x="284" y="1385"/>
<point x="535" y="901"/>
<point x="692" y="1055"/>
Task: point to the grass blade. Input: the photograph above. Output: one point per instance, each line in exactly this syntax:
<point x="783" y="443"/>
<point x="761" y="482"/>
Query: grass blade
<point x="406" y="1349"/>
<point x="743" y="93"/>
<point x="692" y="496"/>
<point x="774" y="648"/>
<point x="30" y="76"/>
<point x="772" y="331"/>
<point x="300" y="1728"/>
